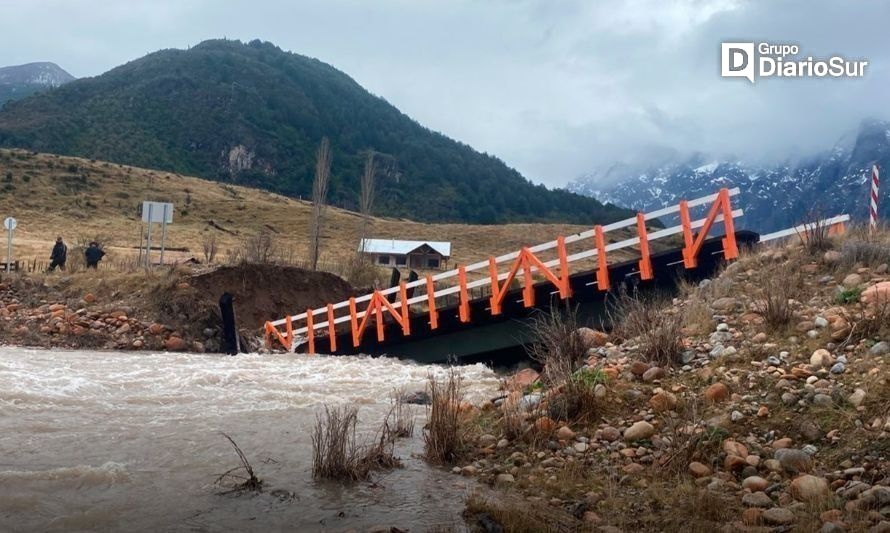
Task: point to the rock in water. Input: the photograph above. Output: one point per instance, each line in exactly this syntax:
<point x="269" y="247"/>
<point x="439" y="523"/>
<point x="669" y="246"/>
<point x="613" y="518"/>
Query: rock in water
<point x="417" y="398"/>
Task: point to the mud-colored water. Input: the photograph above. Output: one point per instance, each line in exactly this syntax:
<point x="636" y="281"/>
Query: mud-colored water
<point x="131" y="442"/>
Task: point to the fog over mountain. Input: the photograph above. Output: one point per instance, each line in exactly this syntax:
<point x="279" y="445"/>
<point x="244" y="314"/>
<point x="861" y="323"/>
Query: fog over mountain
<point x="777" y="195"/>
<point x="554" y="89"/>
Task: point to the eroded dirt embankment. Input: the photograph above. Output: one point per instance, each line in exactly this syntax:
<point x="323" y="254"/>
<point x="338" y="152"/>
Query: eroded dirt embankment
<point x="176" y="309"/>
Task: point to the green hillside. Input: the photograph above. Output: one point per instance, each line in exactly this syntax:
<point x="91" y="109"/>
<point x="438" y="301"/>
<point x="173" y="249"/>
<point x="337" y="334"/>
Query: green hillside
<point x="253" y="114"/>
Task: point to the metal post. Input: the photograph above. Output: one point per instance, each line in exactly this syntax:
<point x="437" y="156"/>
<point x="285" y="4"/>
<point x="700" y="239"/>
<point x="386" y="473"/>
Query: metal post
<point x="9" y="251"/>
<point x="163" y="232"/>
<point x="148" y="244"/>
<point x="141" y="243"/>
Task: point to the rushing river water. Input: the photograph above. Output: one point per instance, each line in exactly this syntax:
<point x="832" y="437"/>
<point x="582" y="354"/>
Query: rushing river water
<point x="131" y="442"/>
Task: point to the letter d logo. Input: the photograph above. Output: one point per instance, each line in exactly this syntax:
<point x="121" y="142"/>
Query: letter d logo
<point x="737" y="60"/>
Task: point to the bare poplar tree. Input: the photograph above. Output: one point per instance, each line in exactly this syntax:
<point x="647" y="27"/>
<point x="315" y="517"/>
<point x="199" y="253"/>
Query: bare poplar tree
<point x="319" y="197"/>
<point x="366" y="202"/>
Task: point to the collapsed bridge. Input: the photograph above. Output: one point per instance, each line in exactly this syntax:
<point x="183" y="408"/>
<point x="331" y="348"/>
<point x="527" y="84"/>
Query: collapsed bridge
<point x="480" y="311"/>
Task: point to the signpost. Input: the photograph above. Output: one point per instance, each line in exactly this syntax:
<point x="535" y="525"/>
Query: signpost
<point x="152" y="212"/>
<point x="10" y="224"/>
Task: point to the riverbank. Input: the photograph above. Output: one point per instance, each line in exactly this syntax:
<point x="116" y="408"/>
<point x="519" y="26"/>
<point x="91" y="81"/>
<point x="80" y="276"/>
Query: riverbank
<point x="173" y="309"/>
<point x="757" y="401"/>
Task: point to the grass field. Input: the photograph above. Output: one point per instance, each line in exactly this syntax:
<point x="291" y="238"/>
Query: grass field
<point x="84" y="200"/>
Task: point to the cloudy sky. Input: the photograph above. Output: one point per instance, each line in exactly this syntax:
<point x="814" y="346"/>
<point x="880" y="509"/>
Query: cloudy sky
<point x="556" y="88"/>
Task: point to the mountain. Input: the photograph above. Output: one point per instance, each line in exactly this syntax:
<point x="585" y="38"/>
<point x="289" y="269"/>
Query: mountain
<point x="774" y="196"/>
<point x="24" y="80"/>
<point x="254" y="115"/>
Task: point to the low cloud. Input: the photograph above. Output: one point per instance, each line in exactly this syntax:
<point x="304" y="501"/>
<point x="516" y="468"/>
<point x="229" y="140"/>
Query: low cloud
<point x="555" y="89"/>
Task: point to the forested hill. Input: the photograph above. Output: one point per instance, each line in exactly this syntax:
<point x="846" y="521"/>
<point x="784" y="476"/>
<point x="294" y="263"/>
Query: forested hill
<point x="253" y="114"/>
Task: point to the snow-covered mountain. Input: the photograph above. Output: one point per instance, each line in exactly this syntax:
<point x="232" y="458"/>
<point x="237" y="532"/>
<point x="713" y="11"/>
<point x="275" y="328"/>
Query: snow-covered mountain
<point x="24" y="80"/>
<point x="774" y="196"/>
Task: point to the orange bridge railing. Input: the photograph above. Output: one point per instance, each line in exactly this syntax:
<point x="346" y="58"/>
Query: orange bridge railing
<point x="524" y="263"/>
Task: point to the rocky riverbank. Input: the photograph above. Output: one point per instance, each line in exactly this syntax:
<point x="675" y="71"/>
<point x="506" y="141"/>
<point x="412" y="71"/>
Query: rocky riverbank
<point x="173" y="309"/>
<point x="771" y="416"/>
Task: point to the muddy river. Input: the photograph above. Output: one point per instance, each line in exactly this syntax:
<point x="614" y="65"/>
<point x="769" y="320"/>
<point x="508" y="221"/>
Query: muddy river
<point x="132" y="442"/>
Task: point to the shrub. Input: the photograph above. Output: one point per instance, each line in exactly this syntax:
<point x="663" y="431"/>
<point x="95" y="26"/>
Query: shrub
<point x="210" y="247"/>
<point x="444" y="435"/>
<point x="868" y="253"/>
<point x="259" y="248"/>
<point x="360" y="273"/>
<point x="657" y="329"/>
<point x="780" y="284"/>
<point x="848" y="296"/>
<point x="557" y="345"/>
<point x="815" y="236"/>
<point x="589" y="377"/>
<point x="335" y="453"/>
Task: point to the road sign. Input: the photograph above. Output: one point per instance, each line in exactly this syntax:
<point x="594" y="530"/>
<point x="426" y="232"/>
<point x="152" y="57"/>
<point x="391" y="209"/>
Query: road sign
<point x="152" y="212"/>
<point x="10" y="223"/>
<point x="157" y="212"/>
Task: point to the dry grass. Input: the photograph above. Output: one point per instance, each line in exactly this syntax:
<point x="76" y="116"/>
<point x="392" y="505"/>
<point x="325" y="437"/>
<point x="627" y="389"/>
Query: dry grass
<point x="861" y="248"/>
<point x="514" y="515"/>
<point x="513" y="420"/>
<point x="685" y="429"/>
<point x="875" y="320"/>
<point x="780" y="284"/>
<point x="400" y="419"/>
<point x="651" y="323"/>
<point x="361" y="273"/>
<point x="335" y="453"/>
<point x="557" y="345"/>
<point x="815" y="236"/>
<point x="100" y="199"/>
<point x="445" y="432"/>
<point x="334" y="450"/>
<point x="687" y="507"/>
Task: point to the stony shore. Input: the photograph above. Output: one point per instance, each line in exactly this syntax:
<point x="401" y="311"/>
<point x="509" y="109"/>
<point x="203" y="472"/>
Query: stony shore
<point x="91" y="323"/>
<point x="752" y="427"/>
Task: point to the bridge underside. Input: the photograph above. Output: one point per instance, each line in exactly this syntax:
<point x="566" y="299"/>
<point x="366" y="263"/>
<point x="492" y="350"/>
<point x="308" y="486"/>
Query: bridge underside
<point x="490" y="338"/>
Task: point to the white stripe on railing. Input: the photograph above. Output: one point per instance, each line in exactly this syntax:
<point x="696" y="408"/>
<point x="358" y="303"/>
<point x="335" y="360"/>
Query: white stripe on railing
<point x="797" y="230"/>
<point x="534" y="249"/>
<point x="502" y="276"/>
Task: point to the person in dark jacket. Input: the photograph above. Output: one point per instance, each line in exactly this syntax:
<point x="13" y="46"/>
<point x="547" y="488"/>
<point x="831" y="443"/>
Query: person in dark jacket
<point x="59" y="255"/>
<point x="93" y="255"/>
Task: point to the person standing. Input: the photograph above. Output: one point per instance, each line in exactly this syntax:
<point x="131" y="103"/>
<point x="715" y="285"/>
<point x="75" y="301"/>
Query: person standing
<point x="59" y="255"/>
<point x="93" y="255"/>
